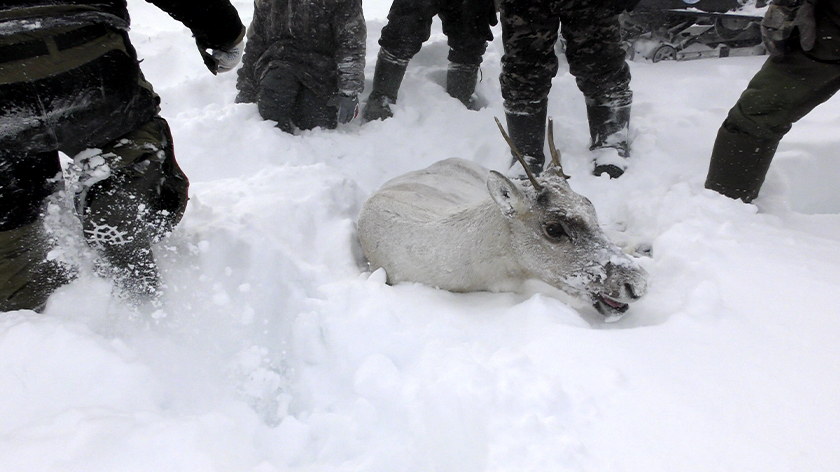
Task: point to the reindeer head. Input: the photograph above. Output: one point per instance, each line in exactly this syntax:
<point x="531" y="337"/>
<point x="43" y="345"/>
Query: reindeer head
<point x="555" y="236"/>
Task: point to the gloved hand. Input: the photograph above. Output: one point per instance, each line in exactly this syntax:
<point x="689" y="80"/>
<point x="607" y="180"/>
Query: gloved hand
<point x="782" y="17"/>
<point x="479" y="16"/>
<point x="348" y="106"/>
<point x="222" y="59"/>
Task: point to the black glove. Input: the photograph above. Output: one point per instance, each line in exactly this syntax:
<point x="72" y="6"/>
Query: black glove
<point x="223" y="59"/>
<point x="782" y="17"/>
<point x="348" y="106"/>
<point x="479" y="16"/>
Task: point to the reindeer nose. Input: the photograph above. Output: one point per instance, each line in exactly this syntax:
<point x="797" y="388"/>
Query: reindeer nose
<point x="631" y="279"/>
<point x="631" y="291"/>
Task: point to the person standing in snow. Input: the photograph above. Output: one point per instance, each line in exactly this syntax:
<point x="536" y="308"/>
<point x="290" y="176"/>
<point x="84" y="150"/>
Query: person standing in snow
<point x="304" y="62"/>
<point x="597" y="60"/>
<point x="70" y="82"/>
<point x="803" y="70"/>
<point x="466" y="24"/>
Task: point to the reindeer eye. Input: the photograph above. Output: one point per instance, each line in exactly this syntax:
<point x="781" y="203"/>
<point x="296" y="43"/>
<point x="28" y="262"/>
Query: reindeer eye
<point x="554" y="230"/>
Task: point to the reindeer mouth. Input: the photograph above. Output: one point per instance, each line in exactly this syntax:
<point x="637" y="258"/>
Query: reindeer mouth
<point x="609" y="307"/>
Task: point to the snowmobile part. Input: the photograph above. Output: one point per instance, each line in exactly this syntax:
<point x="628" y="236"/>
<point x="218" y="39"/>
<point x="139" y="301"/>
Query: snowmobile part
<point x="660" y="30"/>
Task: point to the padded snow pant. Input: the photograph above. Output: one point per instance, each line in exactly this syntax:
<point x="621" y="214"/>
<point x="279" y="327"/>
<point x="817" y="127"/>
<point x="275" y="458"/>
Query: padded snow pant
<point x="593" y="50"/>
<point x="410" y="24"/>
<point x="785" y="89"/>
<point x="88" y="99"/>
<point x="283" y="98"/>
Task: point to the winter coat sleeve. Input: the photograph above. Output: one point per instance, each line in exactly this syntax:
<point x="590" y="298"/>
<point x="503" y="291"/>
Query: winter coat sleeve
<point x="255" y="46"/>
<point x="350" y="34"/>
<point x="214" y="23"/>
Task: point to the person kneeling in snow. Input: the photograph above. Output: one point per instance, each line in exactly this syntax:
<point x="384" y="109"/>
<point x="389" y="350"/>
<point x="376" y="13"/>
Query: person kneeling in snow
<point x="70" y="82"/>
<point x="304" y="62"/>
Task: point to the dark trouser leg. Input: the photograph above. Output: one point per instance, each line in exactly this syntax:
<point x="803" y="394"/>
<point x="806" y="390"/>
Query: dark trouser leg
<point x="739" y="164"/>
<point x="130" y="195"/>
<point x="278" y="93"/>
<point x="597" y="60"/>
<point x="91" y="97"/>
<point x="527" y="131"/>
<point x="27" y="278"/>
<point x="527" y="69"/>
<point x="466" y="48"/>
<point x="782" y="92"/>
<point x="409" y="26"/>
<point x="313" y="111"/>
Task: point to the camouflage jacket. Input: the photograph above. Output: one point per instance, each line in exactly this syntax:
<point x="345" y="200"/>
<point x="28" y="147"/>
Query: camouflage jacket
<point x="322" y="40"/>
<point x="593" y="50"/>
<point x="214" y="23"/>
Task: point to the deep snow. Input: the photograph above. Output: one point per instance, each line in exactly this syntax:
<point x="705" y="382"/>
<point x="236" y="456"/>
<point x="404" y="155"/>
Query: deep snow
<point x="274" y="351"/>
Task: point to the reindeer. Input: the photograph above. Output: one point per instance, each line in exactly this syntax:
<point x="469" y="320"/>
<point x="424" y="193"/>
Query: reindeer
<point x="460" y="227"/>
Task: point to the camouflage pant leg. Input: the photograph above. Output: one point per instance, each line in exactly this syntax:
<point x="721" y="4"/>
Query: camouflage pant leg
<point x="529" y="32"/>
<point x="595" y="55"/>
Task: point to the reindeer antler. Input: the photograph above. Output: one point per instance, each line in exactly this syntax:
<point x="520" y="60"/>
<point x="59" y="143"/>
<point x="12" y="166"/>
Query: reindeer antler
<point x="555" y="155"/>
<point x="528" y="172"/>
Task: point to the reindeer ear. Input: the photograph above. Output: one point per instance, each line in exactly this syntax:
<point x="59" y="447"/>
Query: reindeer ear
<point x="506" y="194"/>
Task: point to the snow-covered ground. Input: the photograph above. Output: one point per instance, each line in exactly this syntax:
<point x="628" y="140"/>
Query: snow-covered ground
<point x="274" y="350"/>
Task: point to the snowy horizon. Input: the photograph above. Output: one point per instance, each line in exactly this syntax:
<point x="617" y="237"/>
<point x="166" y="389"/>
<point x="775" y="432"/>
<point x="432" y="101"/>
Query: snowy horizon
<point x="274" y="350"/>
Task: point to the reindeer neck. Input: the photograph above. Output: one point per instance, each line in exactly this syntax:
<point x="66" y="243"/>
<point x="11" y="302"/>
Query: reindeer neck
<point x="483" y="236"/>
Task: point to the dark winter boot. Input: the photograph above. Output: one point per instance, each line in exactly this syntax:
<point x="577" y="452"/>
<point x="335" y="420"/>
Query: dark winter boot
<point x="460" y="83"/>
<point x="27" y="278"/>
<point x="739" y="164"/>
<point x="131" y="194"/>
<point x="387" y="78"/>
<point x="528" y="135"/>
<point x="609" y="129"/>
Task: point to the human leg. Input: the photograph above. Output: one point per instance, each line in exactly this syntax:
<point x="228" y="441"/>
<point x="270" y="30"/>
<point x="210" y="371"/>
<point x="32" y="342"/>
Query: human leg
<point x="313" y="111"/>
<point x="528" y="65"/>
<point x="409" y="26"/>
<point x="70" y="100"/>
<point x="131" y="193"/>
<point x="782" y="92"/>
<point x="278" y="92"/>
<point x="597" y="61"/>
<point x="27" y="277"/>
<point x="466" y="49"/>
